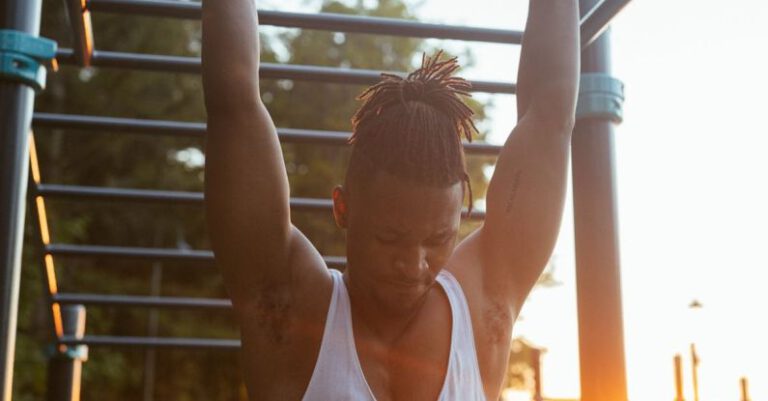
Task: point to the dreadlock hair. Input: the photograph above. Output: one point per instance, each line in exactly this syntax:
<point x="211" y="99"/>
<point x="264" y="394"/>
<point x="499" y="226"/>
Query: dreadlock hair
<point x="412" y="127"/>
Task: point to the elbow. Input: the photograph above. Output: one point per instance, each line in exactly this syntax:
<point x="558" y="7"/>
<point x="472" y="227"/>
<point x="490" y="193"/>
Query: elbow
<point x="554" y="109"/>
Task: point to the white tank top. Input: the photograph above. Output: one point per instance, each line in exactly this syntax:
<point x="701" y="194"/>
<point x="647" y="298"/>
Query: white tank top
<point x="338" y="374"/>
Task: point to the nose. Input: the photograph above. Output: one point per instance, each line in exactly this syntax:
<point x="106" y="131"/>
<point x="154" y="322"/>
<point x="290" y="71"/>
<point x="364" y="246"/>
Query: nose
<point x="411" y="263"/>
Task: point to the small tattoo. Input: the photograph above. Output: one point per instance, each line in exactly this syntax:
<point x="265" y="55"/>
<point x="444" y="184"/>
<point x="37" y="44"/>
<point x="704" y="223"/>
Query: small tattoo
<point x="513" y="191"/>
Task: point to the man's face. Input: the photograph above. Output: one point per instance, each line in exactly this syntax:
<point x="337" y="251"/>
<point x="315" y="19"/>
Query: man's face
<point x="399" y="237"/>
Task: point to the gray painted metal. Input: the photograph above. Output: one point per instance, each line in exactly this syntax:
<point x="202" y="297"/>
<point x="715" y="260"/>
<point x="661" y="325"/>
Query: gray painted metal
<point x="601" y="333"/>
<point x="196" y="258"/>
<point x="142" y="301"/>
<point x="187" y="129"/>
<point x="151" y="62"/>
<point x="65" y="366"/>
<point x="155" y="196"/>
<point x="318" y="21"/>
<point x="597" y="20"/>
<point x="16" y="102"/>
<point x="155" y="342"/>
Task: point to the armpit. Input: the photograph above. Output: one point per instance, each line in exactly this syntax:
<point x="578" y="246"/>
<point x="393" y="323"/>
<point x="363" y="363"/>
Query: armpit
<point x="269" y="313"/>
<point x="497" y="321"/>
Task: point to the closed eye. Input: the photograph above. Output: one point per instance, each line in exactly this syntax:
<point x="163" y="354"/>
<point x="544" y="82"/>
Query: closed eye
<point x="439" y="240"/>
<point x="386" y="240"/>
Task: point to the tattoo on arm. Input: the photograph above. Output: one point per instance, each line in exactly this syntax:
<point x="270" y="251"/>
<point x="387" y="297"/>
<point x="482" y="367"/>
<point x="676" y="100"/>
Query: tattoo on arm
<point x="513" y="190"/>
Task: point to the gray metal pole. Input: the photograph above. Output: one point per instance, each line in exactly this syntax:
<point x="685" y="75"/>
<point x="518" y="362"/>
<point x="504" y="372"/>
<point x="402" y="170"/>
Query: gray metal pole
<point x="65" y="366"/>
<point x="16" y="101"/>
<point x="601" y="333"/>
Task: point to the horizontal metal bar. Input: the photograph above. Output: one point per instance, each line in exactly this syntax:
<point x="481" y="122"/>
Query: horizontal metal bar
<point x="142" y="301"/>
<point x="152" y="342"/>
<point x="187" y="129"/>
<point x="596" y="20"/>
<point x="157" y="196"/>
<point x="204" y="258"/>
<point x="114" y="124"/>
<point x="108" y="194"/>
<point x="319" y="21"/>
<point x="151" y="62"/>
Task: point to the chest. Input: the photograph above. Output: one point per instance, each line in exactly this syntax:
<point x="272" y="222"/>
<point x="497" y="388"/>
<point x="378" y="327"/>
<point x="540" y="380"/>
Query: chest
<point x="415" y="366"/>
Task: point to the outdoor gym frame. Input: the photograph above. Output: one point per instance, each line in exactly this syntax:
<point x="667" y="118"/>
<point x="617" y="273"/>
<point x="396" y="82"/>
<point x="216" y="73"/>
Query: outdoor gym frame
<point x="599" y="297"/>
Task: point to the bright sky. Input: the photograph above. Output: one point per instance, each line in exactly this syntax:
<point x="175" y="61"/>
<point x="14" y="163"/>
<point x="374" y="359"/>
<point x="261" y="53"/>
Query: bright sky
<point x="693" y="203"/>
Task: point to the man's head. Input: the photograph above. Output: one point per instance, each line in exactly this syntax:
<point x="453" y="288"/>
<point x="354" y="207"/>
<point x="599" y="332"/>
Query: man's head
<point x="406" y="180"/>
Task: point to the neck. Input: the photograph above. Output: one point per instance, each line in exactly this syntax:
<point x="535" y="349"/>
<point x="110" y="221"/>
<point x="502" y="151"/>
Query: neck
<point x="385" y="326"/>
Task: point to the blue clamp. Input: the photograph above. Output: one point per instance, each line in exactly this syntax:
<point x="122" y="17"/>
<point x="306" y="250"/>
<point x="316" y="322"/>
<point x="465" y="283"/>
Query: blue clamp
<point x="600" y="96"/>
<point x="22" y="58"/>
<point x="72" y="352"/>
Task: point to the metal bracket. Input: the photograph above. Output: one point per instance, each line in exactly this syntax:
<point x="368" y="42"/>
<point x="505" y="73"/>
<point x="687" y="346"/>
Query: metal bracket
<point x="22" y="58"/>
<point x="600" y="96"/>
<point x="73" y="352"/>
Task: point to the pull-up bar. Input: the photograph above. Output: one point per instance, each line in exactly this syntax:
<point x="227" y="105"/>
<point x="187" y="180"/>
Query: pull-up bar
<point x="197" y="130"/>
<point x="316" y="21"/>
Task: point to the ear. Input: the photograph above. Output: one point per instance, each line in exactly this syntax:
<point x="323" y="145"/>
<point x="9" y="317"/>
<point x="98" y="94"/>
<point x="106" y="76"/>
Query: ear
<point x="340" y="206"/>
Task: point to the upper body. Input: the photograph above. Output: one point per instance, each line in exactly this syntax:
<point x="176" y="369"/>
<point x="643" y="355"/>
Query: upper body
<point x="338" y="374"/>
<point x="401" y="230"/>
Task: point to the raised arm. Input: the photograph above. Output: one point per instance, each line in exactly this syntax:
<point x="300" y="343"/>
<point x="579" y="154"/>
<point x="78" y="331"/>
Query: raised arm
<point x="526" y="194"/>
<point x="246" y="186"/>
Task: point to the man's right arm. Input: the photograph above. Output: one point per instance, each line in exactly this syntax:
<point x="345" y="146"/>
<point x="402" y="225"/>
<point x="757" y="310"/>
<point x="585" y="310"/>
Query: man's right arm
<point x="246" y="186"/>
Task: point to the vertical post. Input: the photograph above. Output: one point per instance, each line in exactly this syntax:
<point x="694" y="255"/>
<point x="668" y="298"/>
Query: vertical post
<point x="601" y="332"/>
<point x="678" y="378"/>
<point x="744" y="389"/>
<point x="536" y="365"/>
<point x="695" y="371"/>
<point x="153" y="325"/>
<point x="16" y="100"/>
<point x="66" y="364"/>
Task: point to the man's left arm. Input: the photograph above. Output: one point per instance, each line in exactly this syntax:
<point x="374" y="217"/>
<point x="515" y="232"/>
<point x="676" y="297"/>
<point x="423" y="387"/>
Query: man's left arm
<point x="526" y="194"/>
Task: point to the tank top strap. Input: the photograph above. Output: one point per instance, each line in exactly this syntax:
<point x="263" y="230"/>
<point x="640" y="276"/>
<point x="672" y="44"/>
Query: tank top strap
<point x="462" y="381"/>
<point x="337" y="374"/>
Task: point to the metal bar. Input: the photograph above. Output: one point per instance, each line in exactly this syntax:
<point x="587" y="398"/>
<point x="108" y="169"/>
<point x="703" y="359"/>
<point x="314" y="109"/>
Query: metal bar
<point x="43" y="236"/>
<point x="142" y="301"/>
<point x="318" y="21"/>
<point x="204" y="258"/>
<point x="156" y="196"/>
<point x="82" y="32"/>
<point x="601" y="331"/>
<point x="151" y="62"/>
<point x="109" y="194"/>
<point x="66" y="366"/>
<point x="16" y="103"/>
<point x="154" y="342"/>
<point x="597" y="20"/>
<point x="187" y="129"/>
<point x="679" y="378"/>
<point x="744" y="385"/>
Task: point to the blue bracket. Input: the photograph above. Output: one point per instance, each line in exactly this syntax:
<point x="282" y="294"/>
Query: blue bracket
<point x="23" y="58"/>
<point x="72" y="352"/>
<point x="600" y="96"/>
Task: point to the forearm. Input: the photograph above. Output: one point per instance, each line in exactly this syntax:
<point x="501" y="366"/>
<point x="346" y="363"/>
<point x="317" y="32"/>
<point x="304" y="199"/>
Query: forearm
<point x="230" y="56"/>
<point x="246" y="185"/>
<point x="549" y="62"/>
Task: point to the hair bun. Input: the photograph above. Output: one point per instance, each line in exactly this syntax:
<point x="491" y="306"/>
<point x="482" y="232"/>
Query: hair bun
<point x="433" y="84"/>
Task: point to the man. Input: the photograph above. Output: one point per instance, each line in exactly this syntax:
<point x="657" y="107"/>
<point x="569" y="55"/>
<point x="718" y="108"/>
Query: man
<point x="414" y="316"/>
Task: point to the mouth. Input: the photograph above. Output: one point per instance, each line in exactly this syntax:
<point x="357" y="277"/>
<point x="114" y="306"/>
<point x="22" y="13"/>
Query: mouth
<point x="405" y="285"/>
